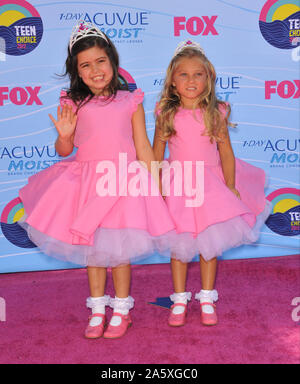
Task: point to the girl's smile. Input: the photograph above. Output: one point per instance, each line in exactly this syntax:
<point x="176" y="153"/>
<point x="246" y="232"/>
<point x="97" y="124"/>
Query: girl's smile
<point x="190" y="80"/>
<point x="95" y="69"/>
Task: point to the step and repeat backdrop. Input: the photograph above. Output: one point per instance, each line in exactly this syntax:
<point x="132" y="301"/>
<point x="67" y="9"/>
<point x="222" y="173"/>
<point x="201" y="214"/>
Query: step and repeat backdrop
<point x="254" y="46"/>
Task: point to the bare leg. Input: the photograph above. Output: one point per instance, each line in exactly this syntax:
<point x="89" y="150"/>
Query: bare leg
<point x="97" y="301"/>
<point x="121" y="278"/>
<point x="97" y="280"/>
<point x="179" y="297"/>
<point x="208" y="273"/>
<point x="208" y="294"/>
<point x="179" y="273"/>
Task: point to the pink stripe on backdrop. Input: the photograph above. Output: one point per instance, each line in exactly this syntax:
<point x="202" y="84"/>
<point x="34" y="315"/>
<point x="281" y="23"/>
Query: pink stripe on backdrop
<point x="8" y="208"/>
<point x="265" y="9"/>
<point x="23" y="4"/>
<point x="282" y="191"/>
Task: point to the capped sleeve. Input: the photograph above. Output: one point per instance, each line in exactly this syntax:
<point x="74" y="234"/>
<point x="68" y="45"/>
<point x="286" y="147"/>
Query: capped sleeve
<point x="137" y="97"/>
<point x="65" y="100"/>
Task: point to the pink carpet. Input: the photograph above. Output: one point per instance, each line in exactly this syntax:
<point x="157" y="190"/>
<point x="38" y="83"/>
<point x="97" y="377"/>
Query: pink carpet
<point x="46" y="317"/>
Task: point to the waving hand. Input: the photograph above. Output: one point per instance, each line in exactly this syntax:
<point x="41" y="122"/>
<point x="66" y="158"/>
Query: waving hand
<point x="66" y="121"/>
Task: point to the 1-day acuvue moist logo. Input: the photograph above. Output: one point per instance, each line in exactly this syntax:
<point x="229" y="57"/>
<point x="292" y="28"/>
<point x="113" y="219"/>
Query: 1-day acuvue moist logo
<point x="279" y="23"/>
<point x="21" y="27"/>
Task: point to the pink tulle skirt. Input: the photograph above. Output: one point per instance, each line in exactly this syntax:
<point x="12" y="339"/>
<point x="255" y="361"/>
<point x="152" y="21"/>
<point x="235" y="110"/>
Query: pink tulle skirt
<point x="218" y="238"/>
<point x="111" y="247"/>
<point x="222" y="221"/>
<point x="68" y="219"/>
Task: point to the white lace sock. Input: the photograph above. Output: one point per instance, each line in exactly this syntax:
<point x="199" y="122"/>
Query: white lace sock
<point x="207" y="296"/>
<point x="97" y="305"/>
<point x="120" y="305"/>
<point x="183" y="298"/>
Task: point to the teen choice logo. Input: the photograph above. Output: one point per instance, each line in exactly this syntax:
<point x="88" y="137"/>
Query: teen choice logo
<point x="130" y="81"/>
<point x="279" y="23"/>
<point x="285" y="217"/>
<point x="13" y="232"/>
<point x="21" y="27"/>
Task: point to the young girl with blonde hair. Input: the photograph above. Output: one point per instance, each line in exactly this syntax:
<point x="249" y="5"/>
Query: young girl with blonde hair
<point x="194" y="123"/>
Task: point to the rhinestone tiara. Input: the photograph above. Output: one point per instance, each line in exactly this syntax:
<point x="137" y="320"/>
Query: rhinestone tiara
<point x="85" y="29"/>
<point x="188" y="44"/>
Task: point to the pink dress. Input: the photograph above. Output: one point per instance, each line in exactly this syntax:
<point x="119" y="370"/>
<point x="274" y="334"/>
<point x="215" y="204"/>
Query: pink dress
<point x="69" y="213"/>
<point x="222" y="221"/>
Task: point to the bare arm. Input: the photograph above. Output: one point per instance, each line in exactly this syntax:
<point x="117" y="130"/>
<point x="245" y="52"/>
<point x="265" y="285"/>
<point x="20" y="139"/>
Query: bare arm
<point x="228" y="162"/>
<point x="64" y="147"/>
<point x="142" y="144"/>
<point x="159" y="145"/>
<point x="65" y="126"/>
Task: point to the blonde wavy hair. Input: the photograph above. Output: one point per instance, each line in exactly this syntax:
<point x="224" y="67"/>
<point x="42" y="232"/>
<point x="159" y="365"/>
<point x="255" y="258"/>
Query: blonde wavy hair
<point x="167" y="107"/>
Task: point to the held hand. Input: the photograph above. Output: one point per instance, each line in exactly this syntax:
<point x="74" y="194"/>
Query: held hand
<point x="235" y="191"/>
<point x="66" y="121"/>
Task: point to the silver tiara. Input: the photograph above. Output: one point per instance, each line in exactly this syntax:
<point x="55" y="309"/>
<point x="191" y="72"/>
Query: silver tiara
<point x="85" y="29"/>
<point x="188" y="44"/>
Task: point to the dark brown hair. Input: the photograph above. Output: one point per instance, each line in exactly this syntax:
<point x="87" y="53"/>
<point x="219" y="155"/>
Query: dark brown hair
<point x="78" y="91"/>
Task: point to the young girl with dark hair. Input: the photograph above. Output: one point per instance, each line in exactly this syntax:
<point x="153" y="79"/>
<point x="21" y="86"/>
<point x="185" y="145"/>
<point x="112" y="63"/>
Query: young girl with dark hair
<point x="70" y="211"/>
